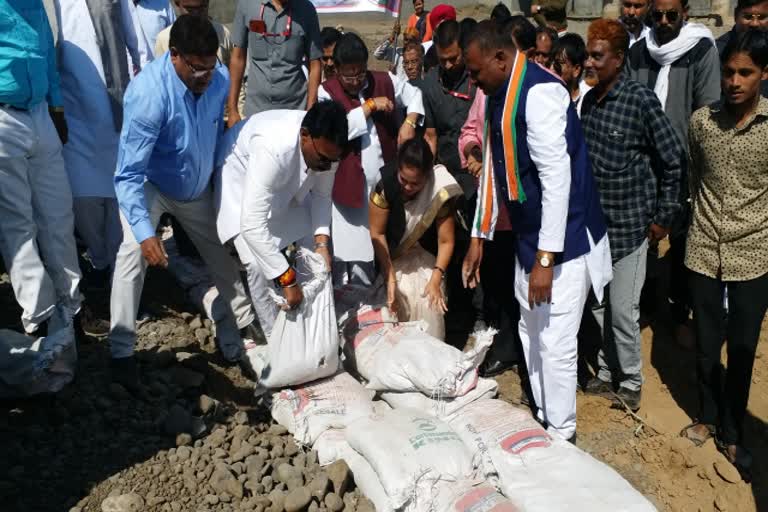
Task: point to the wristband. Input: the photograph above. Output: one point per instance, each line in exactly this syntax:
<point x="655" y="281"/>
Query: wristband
<point x="410" y="123"/>
<point x="371" y="105"/>
<point x="320" y="245"/>
<point x="287" y="278"/>
<point x="440" y="269"/>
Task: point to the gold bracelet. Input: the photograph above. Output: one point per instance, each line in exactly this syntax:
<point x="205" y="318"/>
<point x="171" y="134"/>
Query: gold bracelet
<point x="57" y="109"/>
<point x="410" y="122"/>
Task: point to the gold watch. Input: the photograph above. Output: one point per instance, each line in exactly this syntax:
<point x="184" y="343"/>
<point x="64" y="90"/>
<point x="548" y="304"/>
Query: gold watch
<point x="546" y="259"/>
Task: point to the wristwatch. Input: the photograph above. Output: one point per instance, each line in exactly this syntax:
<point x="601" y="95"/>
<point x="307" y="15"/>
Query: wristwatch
<point x="546" y="259"/>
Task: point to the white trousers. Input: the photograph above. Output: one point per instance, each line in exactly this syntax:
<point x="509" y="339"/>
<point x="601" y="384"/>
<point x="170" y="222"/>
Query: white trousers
<point x="198" y="217"/>
<point x="549" y="337"/>
<point x="37" y="239"/>
<point x="97" y="220"/>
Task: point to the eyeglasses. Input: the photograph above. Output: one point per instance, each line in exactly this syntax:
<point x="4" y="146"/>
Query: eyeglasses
<point x="324" y="160"/>
<point x="753" y="16"/>
<point x="196" y="72"/>
<point x="671" y="14"/>
<point x="349" y="80"/>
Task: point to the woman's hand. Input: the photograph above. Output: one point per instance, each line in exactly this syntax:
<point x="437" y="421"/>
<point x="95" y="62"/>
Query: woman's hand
<point x="434" y="292"/>
<point x="392" y="293"/>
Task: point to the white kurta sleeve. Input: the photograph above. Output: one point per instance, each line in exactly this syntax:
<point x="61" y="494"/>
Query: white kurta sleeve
<point x="321" y="204"/>
<point x="358" y="123"/>
<point x="546" y="115"/>
<point x="408" y="96"/>
<point x="260" y="183"/>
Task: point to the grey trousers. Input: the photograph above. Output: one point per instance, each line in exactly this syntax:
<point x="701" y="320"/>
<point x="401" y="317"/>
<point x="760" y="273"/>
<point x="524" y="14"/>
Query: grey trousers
<point x="97" y="220"/>
<point x="620" y="358"/>
<point x="37" y="239"/>
<point x="198" y="218"/>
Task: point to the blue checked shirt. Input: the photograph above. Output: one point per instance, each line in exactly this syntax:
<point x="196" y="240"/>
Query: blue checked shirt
<point x="637" y="162"/>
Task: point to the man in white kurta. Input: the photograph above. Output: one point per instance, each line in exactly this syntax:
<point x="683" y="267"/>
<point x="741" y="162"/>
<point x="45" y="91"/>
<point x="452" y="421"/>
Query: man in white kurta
<point x="90" y="154"/>
<point x="273" y="187"/>
<point x="353" y="250"/>
<point x="149" y="18"/>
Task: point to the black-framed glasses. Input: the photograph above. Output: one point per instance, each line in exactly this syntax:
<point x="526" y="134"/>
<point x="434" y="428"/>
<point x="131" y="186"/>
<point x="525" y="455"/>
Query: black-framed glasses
<point x="324" y="160"/>
<point x="197" y="72"/>
<point x="671" y="15"/>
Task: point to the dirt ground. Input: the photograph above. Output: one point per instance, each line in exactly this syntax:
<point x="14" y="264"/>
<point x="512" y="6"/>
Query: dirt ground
<point x="91" y="441"/>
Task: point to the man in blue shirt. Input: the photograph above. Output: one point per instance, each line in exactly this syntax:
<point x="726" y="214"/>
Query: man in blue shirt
<point x="36" y="219"/>
<point x="173" y="117"/>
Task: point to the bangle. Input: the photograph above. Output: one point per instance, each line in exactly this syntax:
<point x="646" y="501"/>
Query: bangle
<point x="410" y="122"/>
<point x="371" y="105"/>
<point x="440" y="269"/>
<point x="320" y="245"/>
<point x="292" y="285"/>
<point x="287" y="278"/>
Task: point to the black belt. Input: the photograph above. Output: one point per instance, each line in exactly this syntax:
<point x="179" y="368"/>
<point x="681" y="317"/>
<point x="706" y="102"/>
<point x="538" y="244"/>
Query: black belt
<point x="13" y="107"/>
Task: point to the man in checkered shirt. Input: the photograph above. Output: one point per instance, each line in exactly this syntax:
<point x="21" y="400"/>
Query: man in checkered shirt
<point x="637" y="163"/>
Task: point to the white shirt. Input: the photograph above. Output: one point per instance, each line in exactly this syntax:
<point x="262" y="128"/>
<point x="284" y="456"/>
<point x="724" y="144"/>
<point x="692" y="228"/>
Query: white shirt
<point x="264" y="191"/>
<point x="546" y="116"/>
<point x="583" y="90"/>
<point x="643" y="33"/>
<point x="90" y="155"/>
<point x="351" y="237"/>
<point x="150" y="17"/>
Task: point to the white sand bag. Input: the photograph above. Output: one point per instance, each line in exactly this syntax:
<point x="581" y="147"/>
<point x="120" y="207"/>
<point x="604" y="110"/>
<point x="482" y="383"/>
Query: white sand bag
<point x="536" y="472"/>
<point x="331" y="446"/>
<point x="485" y="388"/>
<point x="308" y="411"/>
<point x="470" y="497"/>
<point x="304" y="343"/>
<point x="403" y="357"/>
<point x="368" y="481"/>
<point x="411" y="452"/>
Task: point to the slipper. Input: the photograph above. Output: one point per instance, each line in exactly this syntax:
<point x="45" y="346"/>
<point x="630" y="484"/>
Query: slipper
<point x="696" y="438"/>
<point x="742" y="461"/>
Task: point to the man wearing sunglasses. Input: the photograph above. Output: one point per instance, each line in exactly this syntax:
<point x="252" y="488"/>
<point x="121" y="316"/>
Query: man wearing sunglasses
<point x="679" y="61"/>
<point x="273" y="187"/>
<point x="749" y="15"/>
<point x="370" y="99"/>
<point x="173" y="118"/>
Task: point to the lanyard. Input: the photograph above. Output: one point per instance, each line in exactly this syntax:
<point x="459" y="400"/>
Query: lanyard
<point x="286" y="33"/>
<point x="457" y="94"/>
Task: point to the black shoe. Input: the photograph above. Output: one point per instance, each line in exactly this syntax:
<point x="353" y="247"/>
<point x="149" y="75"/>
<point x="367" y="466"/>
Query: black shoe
<point x="495" y="367"/>
<point x="125" y="371"/>
<point x="86" y="323"/>
<point x="598" y="387"/>
<point x="629" y="397"/>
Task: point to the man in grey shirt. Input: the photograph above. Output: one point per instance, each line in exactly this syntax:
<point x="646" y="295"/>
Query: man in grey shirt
<point x="278" y="36"/>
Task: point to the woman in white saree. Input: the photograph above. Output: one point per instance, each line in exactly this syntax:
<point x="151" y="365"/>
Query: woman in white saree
<point x="412" y="229"/>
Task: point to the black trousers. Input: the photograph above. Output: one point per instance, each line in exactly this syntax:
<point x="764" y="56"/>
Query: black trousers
<point x="723" y="394"/>
<point x="500" y="307"/>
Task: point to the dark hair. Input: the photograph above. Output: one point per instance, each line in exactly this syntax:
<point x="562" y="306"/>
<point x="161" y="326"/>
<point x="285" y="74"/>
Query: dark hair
<point x="350" y="49"/>
<point x="489" y="37"/>
<point x="521" y="31"/>
<point x="447" y="33"/>
<point x="753" y="42"/>
<point x="416" y="153"/>
<point x="193" y="35"/>
<point x="466" y="26"/>
<point x="329" y="36"/>
<point x="500" y="13"/>
<point x="746" y="4"/>
<point x="574" y="48"/>
<point x="430" y="59"/>
<point x="327" y="119"/>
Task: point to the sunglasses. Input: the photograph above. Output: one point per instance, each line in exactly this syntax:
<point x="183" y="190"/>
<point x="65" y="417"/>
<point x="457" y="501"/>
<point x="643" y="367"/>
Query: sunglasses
<point x="748" y="16"/>
<point x="349" y="80"/>
<point x="324" y="160"/>
<point x="671" y="15"/>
